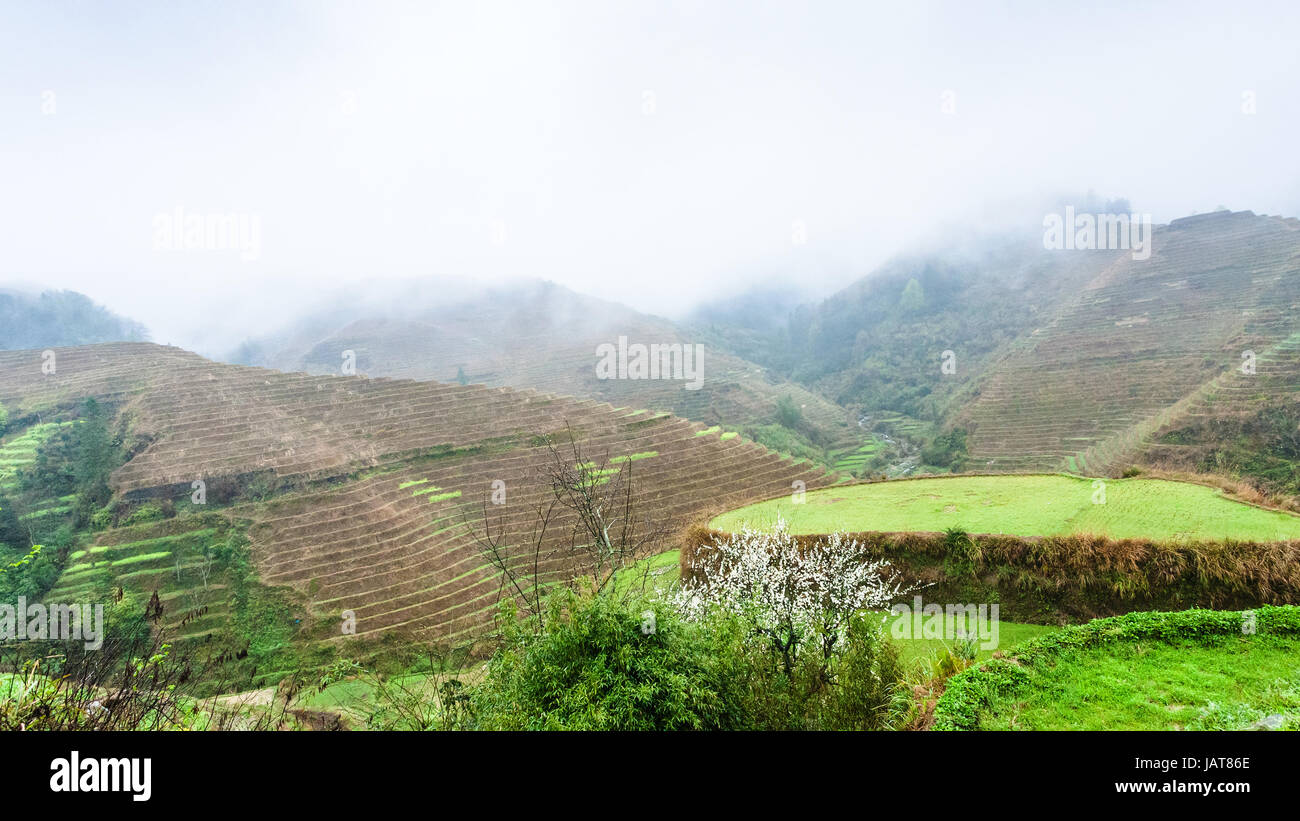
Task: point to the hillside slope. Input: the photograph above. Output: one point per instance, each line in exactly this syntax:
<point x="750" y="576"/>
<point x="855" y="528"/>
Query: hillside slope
<point x="1140" y="346"/>
<point x="545" y="337"/>
<point x="879" y="347"/>
<point x="1084" y="361"/>
<point x="1242" y="423"/>
<point x="369" y="490"/>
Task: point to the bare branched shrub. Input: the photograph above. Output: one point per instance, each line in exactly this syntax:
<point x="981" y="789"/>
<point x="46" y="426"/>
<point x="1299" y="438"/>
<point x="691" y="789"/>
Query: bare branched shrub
<point x="607" y="531"/>
<point x="430" y="696"/>
<point x="140" y="683"/>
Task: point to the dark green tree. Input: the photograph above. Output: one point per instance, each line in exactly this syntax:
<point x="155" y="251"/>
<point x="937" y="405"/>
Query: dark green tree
<point x="788" y="412"/>
<point x="12" y="534"/>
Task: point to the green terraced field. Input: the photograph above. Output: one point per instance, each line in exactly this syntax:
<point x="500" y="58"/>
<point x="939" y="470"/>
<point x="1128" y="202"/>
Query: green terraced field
<point x="851" y="459"/>
<point x="20" y="451"/>
<point x="1029" y="505"/>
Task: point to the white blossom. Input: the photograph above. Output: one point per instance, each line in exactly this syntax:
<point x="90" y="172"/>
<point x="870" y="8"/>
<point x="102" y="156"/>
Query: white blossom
<point x="785" y="592"/>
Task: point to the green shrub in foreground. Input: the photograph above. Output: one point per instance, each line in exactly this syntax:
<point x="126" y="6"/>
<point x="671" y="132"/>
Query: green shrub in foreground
<point x="593" y="664"/>
<point x="858" y="687"/>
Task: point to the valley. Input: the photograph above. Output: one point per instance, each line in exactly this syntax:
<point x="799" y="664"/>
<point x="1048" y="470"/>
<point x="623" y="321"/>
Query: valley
<point x="1108" y="446"/>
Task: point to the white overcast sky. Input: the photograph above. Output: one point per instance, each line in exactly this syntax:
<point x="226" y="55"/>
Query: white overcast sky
<point x="380" y="140"/>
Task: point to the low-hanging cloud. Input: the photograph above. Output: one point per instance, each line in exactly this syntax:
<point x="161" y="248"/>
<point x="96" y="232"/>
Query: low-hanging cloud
<point x="658" y="154"/>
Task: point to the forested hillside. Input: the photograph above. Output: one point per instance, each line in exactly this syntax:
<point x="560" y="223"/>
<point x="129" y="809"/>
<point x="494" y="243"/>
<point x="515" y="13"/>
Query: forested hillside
<point x="60" y="318"/>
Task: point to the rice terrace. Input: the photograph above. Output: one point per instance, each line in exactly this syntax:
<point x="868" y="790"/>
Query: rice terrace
<point x="512" y="368"/>
<point x="1025" y="505"/>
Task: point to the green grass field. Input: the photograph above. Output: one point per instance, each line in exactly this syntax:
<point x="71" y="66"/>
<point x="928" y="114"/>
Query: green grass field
<point x="915" y="650"/>
<point x="1031" y="505"/>
<point x="1160" y="686"/>
<point x="654" y="575"/>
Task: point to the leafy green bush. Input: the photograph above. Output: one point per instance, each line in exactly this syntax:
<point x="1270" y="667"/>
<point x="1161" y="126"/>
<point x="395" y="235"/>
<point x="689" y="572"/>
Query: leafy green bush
<point x="963" y="553"/>
<point x="861" y="688"/>
<point x="12" y="533"/>
<point x="788" y="412"/>
<point x="149" y="512"/>
<point x="591" y="664"/>
<point x="947" y="450"/>
<point x="785" y="441"/>
<point x="101" y="519"/>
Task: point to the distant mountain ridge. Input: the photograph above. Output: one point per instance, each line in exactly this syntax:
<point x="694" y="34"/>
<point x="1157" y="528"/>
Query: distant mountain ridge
<point x="1081" y="361"/>
<point x="543" y="336"/>
<point x="1004" y="358"/>
<point x="1085" y="390"/>
<point x="60" y="318"/>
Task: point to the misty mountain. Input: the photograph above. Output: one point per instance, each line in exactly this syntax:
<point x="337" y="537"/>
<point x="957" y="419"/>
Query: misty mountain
<point x="877" y="345"/>
<point x="544" y="336"/>
<point x="60" y="318"/>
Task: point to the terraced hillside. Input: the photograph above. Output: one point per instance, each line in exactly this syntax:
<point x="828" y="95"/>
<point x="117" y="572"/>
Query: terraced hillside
<point x="370" y="489"/>
<point x="398" y="547"/>
<point x="173" y="558"/>
<point x="19" y="452"/>
<point x="545" y="338"/>
<point x="1244" y="423"/>
<point x="1143" y="343"/>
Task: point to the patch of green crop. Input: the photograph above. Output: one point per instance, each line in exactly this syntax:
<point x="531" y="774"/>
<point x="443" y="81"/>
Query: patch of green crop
<point x="633" y="457"/>
<point x="441" y="497"/>
<point x="656" y="574"/>
<point x="1028" y="505"/>
<point x="1146" y="670"/>
<point x="143" y="557"/>
<point x="916" y="650"/>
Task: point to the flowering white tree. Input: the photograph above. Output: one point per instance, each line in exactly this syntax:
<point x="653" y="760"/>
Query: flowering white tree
<point x="790" y="595"/>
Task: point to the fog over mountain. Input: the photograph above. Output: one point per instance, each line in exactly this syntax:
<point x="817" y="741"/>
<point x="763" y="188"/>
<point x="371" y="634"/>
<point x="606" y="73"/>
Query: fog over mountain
<point x="60" y="318"/>
<point x="660" y="155"/>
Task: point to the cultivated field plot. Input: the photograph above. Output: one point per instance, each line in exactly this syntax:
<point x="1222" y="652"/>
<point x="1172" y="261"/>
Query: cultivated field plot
<point x="19" y="452"/>
<point x="1029" y="505"/>
<point x="171" y="558"/>
<point x="398" y="548"/>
